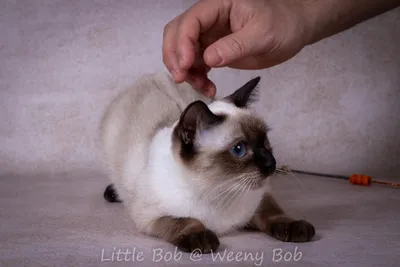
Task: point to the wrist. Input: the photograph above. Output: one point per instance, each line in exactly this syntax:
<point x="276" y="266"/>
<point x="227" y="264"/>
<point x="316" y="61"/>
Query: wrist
<point x="324" y="18"/>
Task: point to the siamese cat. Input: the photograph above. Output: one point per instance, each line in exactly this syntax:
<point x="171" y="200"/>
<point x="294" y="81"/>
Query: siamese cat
<point x="190" y="169"/>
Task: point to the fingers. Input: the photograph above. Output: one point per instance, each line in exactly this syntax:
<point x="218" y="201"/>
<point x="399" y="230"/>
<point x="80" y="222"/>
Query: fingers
<point x="181" y="35"/>
<point x="197" y="19"/>
<point x="203" y="84"/>
<point x="243" y="43"/>
<point x="209" y="88"/>
<point x="169" y="50"/>
<point x="197" y="75"/>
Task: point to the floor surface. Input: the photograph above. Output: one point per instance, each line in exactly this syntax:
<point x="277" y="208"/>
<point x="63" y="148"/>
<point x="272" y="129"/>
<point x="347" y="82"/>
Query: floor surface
<point x="62" y="220"/>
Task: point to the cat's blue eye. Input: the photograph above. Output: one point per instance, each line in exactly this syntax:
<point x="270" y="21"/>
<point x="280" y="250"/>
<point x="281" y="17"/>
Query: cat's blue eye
<point x="239" y="150"/>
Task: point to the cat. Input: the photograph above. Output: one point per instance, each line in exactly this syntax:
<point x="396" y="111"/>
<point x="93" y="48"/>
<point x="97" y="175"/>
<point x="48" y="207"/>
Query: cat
<point x="189" y="168"/>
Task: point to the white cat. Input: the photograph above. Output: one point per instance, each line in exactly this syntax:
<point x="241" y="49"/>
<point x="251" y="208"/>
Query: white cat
<point x="190" y="168"/>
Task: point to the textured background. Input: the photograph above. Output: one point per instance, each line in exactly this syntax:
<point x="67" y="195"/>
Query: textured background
<point x="332" y="108"/>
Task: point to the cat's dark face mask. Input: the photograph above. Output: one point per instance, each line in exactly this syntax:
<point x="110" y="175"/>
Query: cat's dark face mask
<point x="247" y="155"/>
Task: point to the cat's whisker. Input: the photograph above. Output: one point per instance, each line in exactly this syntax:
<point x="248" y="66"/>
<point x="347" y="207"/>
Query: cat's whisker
<point x="215" y="189"/>
<point x="251" y="184"/>
<point x="232" y="197"/>
<point x="281" y="171"/>
<point x="225" y="193"/>
<point x="246" y="190"/>
<point x="223" y="199"/>
<point x="233" y="191"/>
<point x="228" y="190"/>
<point x="240" y="194"/>
<point x="292" y="175"/>
<point x="281" y="176"/>
<point x="297" y="179"/>
<point x="236" y="183"/>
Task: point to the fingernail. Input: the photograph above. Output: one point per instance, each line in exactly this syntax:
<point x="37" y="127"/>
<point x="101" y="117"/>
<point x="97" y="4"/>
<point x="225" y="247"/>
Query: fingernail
<point x="212" y="58"/>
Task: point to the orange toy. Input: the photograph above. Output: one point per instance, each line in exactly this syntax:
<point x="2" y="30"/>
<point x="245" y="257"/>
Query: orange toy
<point x="360" y="179"/>
<point x="356" y="179"/>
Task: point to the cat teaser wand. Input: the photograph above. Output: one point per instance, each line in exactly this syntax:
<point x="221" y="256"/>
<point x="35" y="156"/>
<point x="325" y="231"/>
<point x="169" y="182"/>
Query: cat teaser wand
<point x="356" y="179"/>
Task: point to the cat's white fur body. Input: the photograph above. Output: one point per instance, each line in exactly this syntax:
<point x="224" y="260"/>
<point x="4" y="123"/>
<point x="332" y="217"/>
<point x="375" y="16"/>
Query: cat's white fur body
<point x="176" y="196"/>
<point x="136" y="138"/>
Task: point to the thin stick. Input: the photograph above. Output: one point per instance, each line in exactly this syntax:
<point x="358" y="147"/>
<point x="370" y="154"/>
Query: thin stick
<point x="322" y="174"/>
<point x="355" y="178"/>
<point x="386" y="183"/>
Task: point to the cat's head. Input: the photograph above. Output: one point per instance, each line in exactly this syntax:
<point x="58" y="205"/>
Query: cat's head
<point x="225" y="140"/>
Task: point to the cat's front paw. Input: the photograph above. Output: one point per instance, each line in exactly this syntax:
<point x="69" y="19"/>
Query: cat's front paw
<point x="205" y="242"/>
<point x="292" y="231"/>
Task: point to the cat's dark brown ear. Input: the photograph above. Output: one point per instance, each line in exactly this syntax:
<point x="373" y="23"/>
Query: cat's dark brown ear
<point x="245" y="95"/>
<point x="197" y="116"/>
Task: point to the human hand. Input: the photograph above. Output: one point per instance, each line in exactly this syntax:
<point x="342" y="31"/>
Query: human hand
<point x="252" y="34"/>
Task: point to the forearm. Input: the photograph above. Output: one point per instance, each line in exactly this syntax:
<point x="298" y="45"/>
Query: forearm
<point x="328" y="17"/>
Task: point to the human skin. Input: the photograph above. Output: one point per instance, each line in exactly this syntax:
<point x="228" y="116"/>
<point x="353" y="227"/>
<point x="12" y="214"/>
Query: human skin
<point x="254" y="34"/>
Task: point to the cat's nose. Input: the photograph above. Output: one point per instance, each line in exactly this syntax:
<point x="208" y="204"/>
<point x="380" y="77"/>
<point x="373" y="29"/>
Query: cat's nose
<point x="265" y="161"/>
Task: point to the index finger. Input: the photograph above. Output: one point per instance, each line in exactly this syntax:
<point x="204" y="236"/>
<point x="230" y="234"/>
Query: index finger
<point x="195" y="21"/>
<point x="169" y="53"/>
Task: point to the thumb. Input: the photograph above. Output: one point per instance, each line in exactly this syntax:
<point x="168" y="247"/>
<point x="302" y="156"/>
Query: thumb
<point x="243" y="43"/>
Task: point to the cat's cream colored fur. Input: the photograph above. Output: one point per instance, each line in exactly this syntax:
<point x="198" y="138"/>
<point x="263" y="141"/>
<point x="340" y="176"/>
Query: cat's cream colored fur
<point x="136" y="136"/>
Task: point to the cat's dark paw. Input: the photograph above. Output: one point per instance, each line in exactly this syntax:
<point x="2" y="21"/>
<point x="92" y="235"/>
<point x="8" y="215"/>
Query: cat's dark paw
<point x="292" y="231"/>
<point x="111" y="195"/>
<point x="205" y="242"/>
